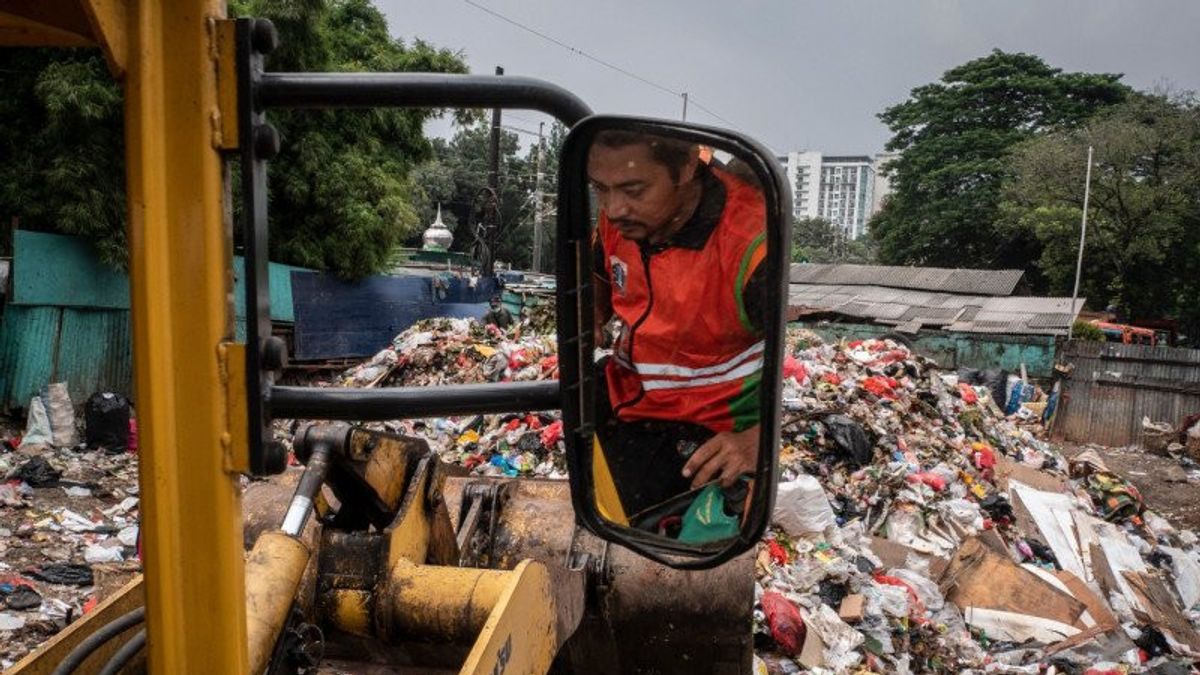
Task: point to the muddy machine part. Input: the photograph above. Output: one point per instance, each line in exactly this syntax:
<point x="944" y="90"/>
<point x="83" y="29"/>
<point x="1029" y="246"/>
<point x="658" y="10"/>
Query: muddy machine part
<point x="422" y="590"/>
<point x="640" y="616"/>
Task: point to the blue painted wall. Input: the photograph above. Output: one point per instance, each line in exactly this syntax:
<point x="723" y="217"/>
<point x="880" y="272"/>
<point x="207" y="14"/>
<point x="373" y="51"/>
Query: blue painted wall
<point x="335" y="319"/>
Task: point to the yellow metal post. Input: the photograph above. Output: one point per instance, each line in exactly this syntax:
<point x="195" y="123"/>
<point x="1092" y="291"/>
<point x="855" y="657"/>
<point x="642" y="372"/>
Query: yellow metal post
<point x="179" y="262"/>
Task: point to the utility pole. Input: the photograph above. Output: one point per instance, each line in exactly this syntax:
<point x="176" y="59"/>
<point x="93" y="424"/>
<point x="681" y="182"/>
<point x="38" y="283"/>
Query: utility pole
<point x="1087" y="188"/>
<point x="685" y="106"/>
<point x="492" y="216"/>
<point x="537" y="202"/>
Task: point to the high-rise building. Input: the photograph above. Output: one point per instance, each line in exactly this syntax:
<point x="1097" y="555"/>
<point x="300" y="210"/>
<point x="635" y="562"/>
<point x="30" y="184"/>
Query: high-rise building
<point x="804" y="175"/>
<point x="845" y="190"/>
<point x="837" y="188"/>
<point x="845" y="197"/>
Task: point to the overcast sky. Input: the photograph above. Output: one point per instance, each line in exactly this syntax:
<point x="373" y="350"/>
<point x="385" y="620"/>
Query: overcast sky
<point x="798" y="74"/>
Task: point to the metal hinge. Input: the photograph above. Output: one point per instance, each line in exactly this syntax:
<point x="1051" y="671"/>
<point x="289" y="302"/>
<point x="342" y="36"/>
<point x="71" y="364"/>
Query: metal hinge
<point x="235" y="443"/>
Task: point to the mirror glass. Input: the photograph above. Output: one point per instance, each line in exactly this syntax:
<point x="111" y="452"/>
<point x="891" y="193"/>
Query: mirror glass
<point x="679" y="262"/>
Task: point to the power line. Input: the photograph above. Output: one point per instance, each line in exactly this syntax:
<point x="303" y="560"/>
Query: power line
<point x="693" y="102"/>
<point x="568" y="47"/>
<point x="598" y="60"/>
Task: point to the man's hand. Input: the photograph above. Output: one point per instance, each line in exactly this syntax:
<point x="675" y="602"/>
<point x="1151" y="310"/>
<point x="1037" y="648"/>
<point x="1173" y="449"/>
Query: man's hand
<point x="724" y="457"/>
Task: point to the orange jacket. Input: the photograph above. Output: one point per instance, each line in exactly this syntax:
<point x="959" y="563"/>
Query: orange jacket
<point x="690" y="350"/>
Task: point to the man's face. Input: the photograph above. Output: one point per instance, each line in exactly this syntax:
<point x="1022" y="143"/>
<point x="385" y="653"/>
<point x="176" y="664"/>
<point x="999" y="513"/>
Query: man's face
<point x="637" y="193"/>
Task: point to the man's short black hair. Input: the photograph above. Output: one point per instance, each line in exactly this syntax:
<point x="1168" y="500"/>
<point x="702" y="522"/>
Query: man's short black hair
<point x="670" y="152"/>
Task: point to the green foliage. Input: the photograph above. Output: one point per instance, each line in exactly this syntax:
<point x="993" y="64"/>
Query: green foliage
<point x="340" y="194"/>
<point x="63" y="147"/>
<point x="954" y="137"/>
<point x="457" y="178"/>
<point x="1143" y="241"/>
<point x="1082" y="330"/>
<point x="817" y="240"/>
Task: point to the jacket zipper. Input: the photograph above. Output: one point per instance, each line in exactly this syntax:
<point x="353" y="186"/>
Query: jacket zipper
<point x="645" y="254"/>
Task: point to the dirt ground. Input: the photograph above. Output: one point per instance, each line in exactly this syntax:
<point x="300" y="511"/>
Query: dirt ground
<point x="1168" y="487"/>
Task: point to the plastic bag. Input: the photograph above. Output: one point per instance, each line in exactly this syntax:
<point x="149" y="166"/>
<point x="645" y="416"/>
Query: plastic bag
<point x="801" y="507"/>
<point x="706" y="520"/>
<point x="850" y="439"/>
<point x="62" y="415"/>
<point x="37" y="428"/>
<point x="106" y="415"/>
<point x="925" y="589"/>
<point x="783" y="618"/>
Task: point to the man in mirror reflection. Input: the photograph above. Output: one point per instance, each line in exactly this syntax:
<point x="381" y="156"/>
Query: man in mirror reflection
<point x="680" y="282"/>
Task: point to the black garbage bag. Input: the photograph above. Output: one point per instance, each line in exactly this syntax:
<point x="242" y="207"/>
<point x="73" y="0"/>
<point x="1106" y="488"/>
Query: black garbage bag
<point x="106" y="415"/>
<point x="63" y="573"/>
<point x="849" y="438"/>
<point x="37" y="472"/>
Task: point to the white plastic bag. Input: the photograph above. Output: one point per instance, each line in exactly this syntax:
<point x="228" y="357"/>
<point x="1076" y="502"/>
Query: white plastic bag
<point x="62" y="415"/>
<point x="801" y="507"/>
<point x="37" y="428"/>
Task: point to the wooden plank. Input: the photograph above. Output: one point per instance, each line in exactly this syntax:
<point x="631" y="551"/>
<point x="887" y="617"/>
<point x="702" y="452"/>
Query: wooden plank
<point x="978" y="577"/>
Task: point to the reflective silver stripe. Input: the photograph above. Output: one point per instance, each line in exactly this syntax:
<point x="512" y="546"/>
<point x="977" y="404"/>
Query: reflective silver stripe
<point x="673" y="370"/>
<point x="741" y="371"/>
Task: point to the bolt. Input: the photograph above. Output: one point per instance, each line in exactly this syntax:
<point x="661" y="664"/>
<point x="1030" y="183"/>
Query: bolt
<point x="266" y="141"/>
<point x="263" y="36"/>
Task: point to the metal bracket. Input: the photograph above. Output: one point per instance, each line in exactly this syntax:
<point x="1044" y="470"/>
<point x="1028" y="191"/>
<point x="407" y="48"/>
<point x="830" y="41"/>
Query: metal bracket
<point x="258" y="142"/>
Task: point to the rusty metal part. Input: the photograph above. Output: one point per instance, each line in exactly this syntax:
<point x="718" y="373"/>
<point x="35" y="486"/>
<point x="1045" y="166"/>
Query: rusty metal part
<point x="446" y="603"/>
<point x="642" y="616"/>
<point x="273" y="573"/>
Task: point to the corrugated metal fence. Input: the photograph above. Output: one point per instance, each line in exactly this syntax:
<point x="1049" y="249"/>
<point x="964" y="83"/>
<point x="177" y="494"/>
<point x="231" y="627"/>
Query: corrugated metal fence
<point x="1114" y="385"/>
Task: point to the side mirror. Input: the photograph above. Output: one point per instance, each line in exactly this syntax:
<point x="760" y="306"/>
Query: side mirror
<point x="671" y="275"/>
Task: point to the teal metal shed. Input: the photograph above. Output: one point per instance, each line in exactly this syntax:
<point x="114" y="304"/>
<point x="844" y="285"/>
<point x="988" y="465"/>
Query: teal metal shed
<point x="67" y="319"/>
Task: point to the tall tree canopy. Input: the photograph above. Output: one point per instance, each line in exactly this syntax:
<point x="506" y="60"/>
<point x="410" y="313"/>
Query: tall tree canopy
<point x="341" y="199"/>
<point x="954" y="137"/>
<point x="1143" y="241"/>
<point x="62" y="140"/>
<point x="340" y="195"/>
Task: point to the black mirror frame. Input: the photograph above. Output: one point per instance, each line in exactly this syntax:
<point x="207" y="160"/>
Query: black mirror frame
<point x="575" y="336"/>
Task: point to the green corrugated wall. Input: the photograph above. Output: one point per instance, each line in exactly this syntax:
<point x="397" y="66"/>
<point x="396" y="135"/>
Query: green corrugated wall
<point x="960" y="350"/>
<point x="68" y="319"/>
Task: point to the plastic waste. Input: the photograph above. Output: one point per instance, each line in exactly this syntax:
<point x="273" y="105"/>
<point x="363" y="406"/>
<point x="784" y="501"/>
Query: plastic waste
<point x="62" y="415"/>
<point x="783" y="618"/>
<point x="849" y="439"/>
<point x="801" y="507"/>
<point x="63" y="573"/>
<point x="106" y="419"/>
<point x="705" y="519"/>
<point x="37" y="427"/>
<point x="38" y="472"/>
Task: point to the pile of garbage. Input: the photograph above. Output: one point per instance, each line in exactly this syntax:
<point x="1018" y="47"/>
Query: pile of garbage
<point x="920" y="525"/>
<point x="68" y="515"/>
<point x="460" y="351"/>
<point x="918" y="528"/>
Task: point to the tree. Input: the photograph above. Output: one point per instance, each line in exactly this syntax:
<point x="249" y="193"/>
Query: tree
<point x="817" y="240"/>
<point x="340" y="192"/>
<point x="813" y="240"/>
<point x="1143" y="241"/>
<point x="340" y="195"/>
<point x="954" y="136"/>
<point x="456" y="177"/>
<point x="62" y="141"/>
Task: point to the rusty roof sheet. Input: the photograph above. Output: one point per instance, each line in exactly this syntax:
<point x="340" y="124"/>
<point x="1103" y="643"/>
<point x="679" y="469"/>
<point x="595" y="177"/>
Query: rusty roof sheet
<point x="912" y="309"/>
<point x="975" y="282"/>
